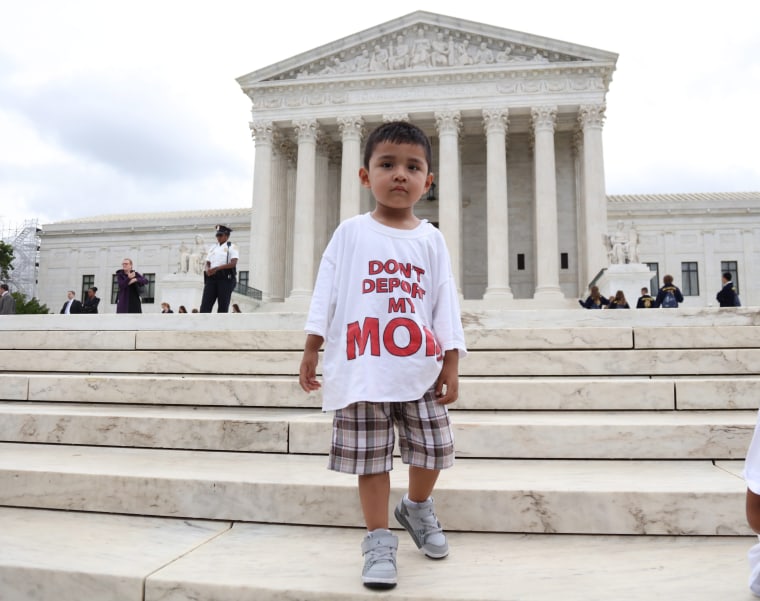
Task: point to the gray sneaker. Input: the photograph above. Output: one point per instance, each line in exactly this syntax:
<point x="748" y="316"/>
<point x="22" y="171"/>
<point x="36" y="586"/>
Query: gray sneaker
<point x="424" y="527"/>
<point x="379" y="550"/>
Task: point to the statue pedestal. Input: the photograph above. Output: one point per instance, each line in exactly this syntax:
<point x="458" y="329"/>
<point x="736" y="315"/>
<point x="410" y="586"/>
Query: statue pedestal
<point x="180" y="289"/>
<point x="630" y="278"/>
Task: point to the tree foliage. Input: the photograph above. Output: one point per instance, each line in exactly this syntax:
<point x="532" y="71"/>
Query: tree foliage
<point x="6" y="260"/>
<point x="30" y="307"/>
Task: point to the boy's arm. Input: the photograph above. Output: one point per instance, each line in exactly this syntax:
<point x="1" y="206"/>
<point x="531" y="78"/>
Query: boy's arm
<point x="447" y="385"/>
<point x="307" y="374"/>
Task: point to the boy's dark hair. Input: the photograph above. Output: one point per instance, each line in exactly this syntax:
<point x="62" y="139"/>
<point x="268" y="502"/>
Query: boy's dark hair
<point x="668" y="279"/>
<point x="398" y="132"/>
<point x="727" y="275"/>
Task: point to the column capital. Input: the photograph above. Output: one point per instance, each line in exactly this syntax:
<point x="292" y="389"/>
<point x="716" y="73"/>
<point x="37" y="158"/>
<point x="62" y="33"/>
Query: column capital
<point x="307" y="130"/>
<point x="544" y="118"/>
<point x="351" y="127"/>
<point x="262" y="132"/>
<point x="591" y="115"/>
<point x="495" y="120"/>
<point x="448" y="122"/>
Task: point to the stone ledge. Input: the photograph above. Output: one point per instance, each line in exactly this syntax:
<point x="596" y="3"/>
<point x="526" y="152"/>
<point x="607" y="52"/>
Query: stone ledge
<point x="532" y="496"/>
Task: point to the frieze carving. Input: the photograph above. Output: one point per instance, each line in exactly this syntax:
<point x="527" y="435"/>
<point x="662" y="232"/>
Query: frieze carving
<point x="425" y="47"/>
<point x="388" y="117"/>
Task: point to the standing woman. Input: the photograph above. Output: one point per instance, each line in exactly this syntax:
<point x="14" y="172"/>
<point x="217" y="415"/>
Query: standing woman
<point x="91" y="302"/>
<point x="130" y="282"/>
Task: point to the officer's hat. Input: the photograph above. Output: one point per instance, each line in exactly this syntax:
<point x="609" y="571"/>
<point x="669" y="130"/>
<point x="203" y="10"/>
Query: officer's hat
<point x="223" y="229"/>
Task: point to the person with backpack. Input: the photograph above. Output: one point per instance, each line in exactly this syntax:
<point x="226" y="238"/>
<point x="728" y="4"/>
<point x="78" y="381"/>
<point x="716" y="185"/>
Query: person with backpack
<point x="669" y="295"/>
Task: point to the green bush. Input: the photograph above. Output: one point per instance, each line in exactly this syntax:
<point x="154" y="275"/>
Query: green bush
<point x="30" y="307"/>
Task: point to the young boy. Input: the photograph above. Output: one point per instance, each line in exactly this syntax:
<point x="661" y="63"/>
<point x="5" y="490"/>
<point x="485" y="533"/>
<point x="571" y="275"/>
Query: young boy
<point x="386" y="306"/>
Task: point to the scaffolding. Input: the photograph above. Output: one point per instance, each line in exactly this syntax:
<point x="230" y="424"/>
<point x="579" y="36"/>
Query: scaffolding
<point x="25" y="240"/>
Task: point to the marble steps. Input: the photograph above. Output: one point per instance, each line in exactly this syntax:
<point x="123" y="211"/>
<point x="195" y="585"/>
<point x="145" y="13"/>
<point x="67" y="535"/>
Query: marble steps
<point x="552" y="393"/>
<point x="478" y="434"/>
<point x="70" y="556"/>
<point x="698" y="497"/>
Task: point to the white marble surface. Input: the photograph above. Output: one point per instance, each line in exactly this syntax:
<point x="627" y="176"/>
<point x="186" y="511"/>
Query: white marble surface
<point x="91" y="339"/>
<point x="146" y="362"/>
<point x="14" y="387"/>
<point x="565" y="393"/>
<point x="572" y="496"/>
<point x="474" y="316"/>
<point x="698" y="337"/>
<point x="263" y="391"/>
<point x="200" y="428"/>
<point x="223" y="340"/>
<point x="65" y="556"/>
<point x="550" y="338"/>
<point x="573" y="435"/>
<point x="728" y="392"/>
<point x="274" y="563"/>
<point x="657" y="362"/>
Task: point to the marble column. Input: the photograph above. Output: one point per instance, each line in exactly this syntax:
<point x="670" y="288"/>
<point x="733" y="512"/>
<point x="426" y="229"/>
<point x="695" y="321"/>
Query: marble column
<point x="261" y="226"/>
<point x="544" y="119"/>
<point x="497" y="221"/>
<point x="321" y="234"/>
<point x="283" y="159"/>
<point x="351" y="129"/>
<point x="449" y="190"/>
<point x="591" y="119"/>
<point x="303" y="238"/>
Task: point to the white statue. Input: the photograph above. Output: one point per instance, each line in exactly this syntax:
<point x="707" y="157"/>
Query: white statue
<point x="184" y="258"/>
<point x="622" y="247"/>
<point x="198" y="257"/>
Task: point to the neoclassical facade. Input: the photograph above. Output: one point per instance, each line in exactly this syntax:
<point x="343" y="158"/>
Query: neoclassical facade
<point x="516" y="123"/>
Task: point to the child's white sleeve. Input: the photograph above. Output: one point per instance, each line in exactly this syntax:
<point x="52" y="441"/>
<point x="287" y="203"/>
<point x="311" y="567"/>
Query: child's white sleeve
<point x="752" y="462"/>
<point x="323" y="300"/>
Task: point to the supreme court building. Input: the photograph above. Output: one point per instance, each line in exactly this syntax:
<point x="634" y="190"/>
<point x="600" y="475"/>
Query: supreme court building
<point x="516" y="122"/>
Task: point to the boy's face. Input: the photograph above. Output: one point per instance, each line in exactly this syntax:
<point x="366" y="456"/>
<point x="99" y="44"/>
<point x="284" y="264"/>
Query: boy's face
<point x="398" y="175"/>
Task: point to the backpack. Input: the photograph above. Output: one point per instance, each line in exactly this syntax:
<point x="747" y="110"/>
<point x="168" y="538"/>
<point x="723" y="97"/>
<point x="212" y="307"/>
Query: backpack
<point x="669" y="300"/>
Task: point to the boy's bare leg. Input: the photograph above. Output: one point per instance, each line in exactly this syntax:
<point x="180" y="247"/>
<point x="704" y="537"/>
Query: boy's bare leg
<point x="374" y="495"/>
<point x="421" y="483"/>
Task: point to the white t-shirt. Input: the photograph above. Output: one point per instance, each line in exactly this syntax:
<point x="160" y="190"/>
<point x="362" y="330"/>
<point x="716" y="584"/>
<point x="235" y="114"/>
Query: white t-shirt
<point x="386" y="303"/>
<point x="752" y="478"/>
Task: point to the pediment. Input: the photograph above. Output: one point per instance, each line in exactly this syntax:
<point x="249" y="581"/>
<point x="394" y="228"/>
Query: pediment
<point x="423" y="41"/>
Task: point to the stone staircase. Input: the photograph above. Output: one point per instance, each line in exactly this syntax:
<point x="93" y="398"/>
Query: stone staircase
<point x="174" y="457"/>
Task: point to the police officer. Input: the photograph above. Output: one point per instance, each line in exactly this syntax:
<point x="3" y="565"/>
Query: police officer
<point x="219" y="274"/>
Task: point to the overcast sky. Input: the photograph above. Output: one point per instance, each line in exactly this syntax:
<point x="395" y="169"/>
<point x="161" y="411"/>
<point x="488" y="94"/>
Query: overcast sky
<point x="118" y="107"/>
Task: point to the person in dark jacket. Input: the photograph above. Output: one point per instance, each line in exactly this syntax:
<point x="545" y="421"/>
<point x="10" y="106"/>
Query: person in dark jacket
<point x="91" y="302"/>
<point x="646" y="300"/>
<point x="728" y="296"/>
<point x="669" y="295"/>
<point x="72" y="305"/>
<point x="595" y="300"/>
<point x="618" y="301"/>
<point x="129" y="282"/>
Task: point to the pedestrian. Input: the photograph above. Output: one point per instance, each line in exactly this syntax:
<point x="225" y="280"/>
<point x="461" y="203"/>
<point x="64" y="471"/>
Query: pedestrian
<point x="728" y="296"/>
<point x="595" y="300"/>
<point x="219" y="275"/>
<point x="646" y="300"/>
<point x="386" y="306"/>
<point x="130" y="284"/>
<point x="618" y="301"/>
<point x="669" y="294"/>
<point x="7" y="302"/>
<point x="91" y="302"/>
<point x="166" y="308"/>
<point x="182" y="309"/>
<point x="72" y="305"/>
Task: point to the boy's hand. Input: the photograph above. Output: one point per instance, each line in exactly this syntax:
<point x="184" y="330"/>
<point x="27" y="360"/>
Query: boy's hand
<point x="447" y="384"/>
<point x="307" y="374"/>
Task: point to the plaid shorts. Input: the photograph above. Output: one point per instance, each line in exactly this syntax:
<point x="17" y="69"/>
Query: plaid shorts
<point x="363" y="436"/>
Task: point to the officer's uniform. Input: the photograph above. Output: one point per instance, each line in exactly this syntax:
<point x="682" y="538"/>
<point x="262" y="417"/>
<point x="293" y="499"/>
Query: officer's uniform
<point x="219" y="286"/>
